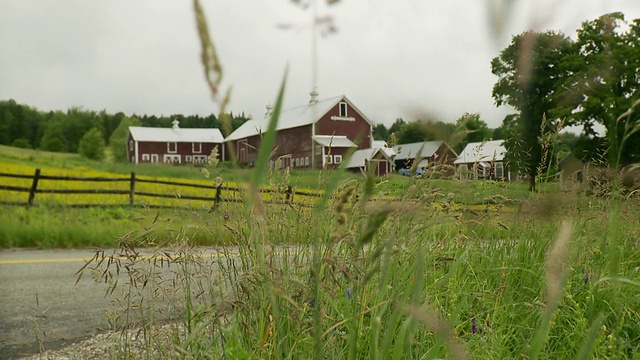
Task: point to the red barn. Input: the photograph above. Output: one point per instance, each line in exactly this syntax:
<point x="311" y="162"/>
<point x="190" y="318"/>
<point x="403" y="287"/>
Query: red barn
<point x="175" y="145"/>
<point x="314" y="135"/>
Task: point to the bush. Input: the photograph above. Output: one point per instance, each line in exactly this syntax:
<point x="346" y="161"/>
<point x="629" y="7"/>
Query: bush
<point x="92" y="145"/>
<point x="21" y="143"/>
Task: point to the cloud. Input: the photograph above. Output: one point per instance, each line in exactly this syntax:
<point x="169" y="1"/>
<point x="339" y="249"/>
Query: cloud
<point x="392" y="58"/>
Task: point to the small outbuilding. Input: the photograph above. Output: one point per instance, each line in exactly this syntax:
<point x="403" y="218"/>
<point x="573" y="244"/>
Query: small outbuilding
<point x="573" y="169"/>
<point x="377" y="161"/>
<point x="483" y="160"/>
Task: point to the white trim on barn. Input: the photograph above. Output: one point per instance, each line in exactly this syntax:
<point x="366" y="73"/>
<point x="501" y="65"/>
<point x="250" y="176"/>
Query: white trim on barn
<point x="172" y="137"/>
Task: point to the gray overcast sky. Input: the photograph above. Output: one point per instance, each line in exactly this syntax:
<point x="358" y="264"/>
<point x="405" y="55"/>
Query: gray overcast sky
<point x="409" y="58"/>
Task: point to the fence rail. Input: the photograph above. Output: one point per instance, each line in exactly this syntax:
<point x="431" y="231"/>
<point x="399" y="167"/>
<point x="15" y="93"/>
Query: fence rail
<point x="217" y="191"/>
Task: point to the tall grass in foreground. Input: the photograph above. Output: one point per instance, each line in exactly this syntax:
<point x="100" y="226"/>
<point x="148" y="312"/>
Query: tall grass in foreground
<point x="394" y="281"/>
<point x="557" y="279"/>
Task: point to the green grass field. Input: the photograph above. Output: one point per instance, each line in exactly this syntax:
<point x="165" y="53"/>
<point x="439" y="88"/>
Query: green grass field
<point x="67" y="227"/>
<point x="454" y="270"/>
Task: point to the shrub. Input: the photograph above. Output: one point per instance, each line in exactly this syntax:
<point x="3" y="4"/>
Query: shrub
<point x="92" y="145"/>
<point x="21" y="143"/>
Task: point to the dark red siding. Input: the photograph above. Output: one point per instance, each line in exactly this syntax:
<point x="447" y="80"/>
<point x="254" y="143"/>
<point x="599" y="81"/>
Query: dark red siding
<point x="356" y="128"/>
<point x="294" y="145"/>
<point x="155" y="151"/>
<point x="444" y="155"/>
<point x="245" y="150"/>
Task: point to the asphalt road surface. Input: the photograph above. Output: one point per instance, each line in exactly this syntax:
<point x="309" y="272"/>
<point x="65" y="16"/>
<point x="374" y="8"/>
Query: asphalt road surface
<point x="39" y="300"/>
<point x="43" y="308"/>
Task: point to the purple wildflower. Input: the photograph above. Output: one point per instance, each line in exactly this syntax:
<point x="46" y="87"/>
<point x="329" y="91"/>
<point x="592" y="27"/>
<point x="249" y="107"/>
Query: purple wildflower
<point x="586" y="276"/>
<point x="473" y="325"/>
<point x="349" y="293"/>
<point x="312" y="303"/>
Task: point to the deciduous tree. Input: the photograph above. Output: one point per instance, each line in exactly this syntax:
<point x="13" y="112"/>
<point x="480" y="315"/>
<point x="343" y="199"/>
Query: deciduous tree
<point x="92" y="145"/>
<point x="417" y="131"/>
<point x="118" y="139"/>
<point x="604" y="84"/>
<point x="380" y="132"/>
<point x="528" y="73"/>
<point x="473" y="129"/>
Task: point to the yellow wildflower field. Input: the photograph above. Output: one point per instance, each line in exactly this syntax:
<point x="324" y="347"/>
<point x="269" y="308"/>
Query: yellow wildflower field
<point x="175" y="194"/>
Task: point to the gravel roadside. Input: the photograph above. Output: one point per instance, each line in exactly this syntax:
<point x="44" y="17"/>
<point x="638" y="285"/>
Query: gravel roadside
<point x="111" y="345"/>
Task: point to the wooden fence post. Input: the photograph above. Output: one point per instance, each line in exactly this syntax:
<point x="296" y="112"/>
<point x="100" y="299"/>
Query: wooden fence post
<point x="34" y="187"/>
<point x="218" y="195"/>
<point x="132" y="188"/>
<point x="289" y="196"/>
<point x="217" y="199"/>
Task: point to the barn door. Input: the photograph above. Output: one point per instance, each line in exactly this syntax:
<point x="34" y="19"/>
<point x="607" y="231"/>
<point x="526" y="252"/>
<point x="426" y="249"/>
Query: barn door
<point x="243" y="148"/>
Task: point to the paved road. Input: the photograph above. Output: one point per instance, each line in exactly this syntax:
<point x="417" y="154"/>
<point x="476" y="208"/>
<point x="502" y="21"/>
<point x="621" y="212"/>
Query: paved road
<point x="39" y="299"/>
<point x="41" y="304"/>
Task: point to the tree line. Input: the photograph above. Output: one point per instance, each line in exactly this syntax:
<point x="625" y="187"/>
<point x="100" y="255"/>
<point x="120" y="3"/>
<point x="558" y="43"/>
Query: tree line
<point x="26" y="127"/>
<point x="468" y="128"/>
<point x="552" y="81"/>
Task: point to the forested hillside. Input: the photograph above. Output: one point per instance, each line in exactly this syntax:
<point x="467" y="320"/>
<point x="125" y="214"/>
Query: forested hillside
<point x="27" y="127"/>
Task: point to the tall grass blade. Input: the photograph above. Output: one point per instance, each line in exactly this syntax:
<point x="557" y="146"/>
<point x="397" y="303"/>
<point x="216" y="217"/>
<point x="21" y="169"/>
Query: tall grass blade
<point x="557" y="271"/>
<point x="589" y="342"/>
<point x="268" y="140"/>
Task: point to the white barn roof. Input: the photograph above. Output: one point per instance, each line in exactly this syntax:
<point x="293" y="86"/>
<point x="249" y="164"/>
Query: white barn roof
<point x="485" y="151"/>
<point x="378" y="144"/>
<point x="291" y="118"/>
<point x="140" y="133"/>
<point x="358" y="157"/>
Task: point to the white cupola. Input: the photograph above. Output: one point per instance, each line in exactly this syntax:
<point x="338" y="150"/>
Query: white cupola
<point x="314" y="96"/>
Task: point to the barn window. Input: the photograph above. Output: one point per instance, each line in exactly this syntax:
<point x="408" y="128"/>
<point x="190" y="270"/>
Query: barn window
<point x="196" y="148"/>
<point x="172" y="147"/>
<point x="337" y="159"/>
<point x="145" y="157"/>
<point x="171" y="159"/>
<point x="188" y="158"/>
<point x="499" y="171"/>
<point x="130" y="145"/>
<point x="154" y="158"/>
<point x="306" y="161"/>
<point x="329" y="159"/>
<point x="343" y="109"/>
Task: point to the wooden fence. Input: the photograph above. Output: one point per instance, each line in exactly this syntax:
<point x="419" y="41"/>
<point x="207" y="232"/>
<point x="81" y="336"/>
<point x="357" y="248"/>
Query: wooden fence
<point x="217" y="197"/>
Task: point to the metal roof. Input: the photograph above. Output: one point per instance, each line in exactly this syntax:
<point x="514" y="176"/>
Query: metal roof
<point x="290" y="118"/>
<point x="477" y="152"/>
<point x="140" y="133"/>
<point x="410" y="151"/>
<point x="335" y="141"/>
<point x="378" y="144"/>
<point x="358" y="157"/>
